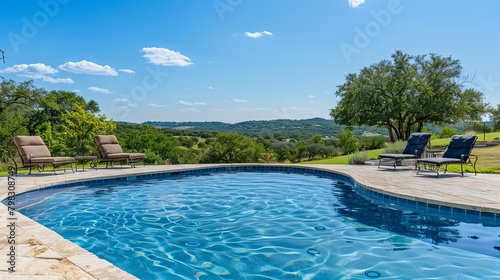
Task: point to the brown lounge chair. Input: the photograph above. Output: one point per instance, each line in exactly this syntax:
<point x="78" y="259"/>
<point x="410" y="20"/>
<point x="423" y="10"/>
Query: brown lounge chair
<point x="34" y="152"/>
<point x="110" y="151"/>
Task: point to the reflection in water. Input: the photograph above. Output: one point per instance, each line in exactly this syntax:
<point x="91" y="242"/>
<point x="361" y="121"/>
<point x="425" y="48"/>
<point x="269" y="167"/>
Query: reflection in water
<point x="429" y="227"/>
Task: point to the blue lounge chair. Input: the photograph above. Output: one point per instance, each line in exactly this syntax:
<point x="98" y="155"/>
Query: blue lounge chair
<point x="415" y="146"/>
<point x="457" y="152"/>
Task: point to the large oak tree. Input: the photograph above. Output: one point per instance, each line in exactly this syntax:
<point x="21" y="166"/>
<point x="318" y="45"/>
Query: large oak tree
<point x="407" y="92"/>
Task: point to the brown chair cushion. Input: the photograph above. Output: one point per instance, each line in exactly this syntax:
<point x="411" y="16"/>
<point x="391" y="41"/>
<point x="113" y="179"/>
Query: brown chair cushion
<point x="52" y="160"/>
<point x="31" y="147"/>
<point x="110" y="149"/>
<point x="107" y="145"/>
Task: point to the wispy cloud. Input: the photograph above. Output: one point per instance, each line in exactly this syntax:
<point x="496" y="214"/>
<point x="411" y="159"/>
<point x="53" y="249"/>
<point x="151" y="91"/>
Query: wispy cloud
<point x="212" y="88"/>
<point x="312" y="96"/>
<point x="120" y="100"/>
<point x="355" y="3"/>
<point x="100" y="90"/>
<point x="36" y="71"/>
<point x="187" y="103"/>
<point x="240" y="100"/>
<point x="165" y="57"/>
<point x="258" y="34"/>
<point x="158" y="105"/>
<point x="87" y="67"/>
<point x="127" y="71"/>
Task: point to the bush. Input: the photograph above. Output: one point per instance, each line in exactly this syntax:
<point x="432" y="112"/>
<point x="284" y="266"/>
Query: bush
<point x="372" y="143"/>
<point x="358" y="158"/>
<point x="395" y="147"/>
<point x="447" y="132"/>
<point x="153" y="159"/>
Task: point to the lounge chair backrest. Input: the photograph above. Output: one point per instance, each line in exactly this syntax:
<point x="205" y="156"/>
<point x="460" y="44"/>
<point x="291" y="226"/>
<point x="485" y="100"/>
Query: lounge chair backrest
<point x="107" y="144"/>
<point x="417" y="142"/>
<point x="30" y="147"/>
<point x="460" y="145"/>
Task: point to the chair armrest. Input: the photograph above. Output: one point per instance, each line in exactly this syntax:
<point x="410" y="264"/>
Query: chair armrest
<point x="15" y="167"/>
<point x="469" y="156"/>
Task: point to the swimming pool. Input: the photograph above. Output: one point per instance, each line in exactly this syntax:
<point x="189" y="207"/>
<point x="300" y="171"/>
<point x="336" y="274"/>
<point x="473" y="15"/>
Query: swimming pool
<point x="262" y="225"/>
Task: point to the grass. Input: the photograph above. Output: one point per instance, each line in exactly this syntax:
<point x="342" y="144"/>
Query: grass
<point x="488" y="162"/>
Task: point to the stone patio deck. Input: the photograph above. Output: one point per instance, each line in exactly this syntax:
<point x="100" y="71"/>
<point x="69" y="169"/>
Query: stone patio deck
<point x="43" y="254"/>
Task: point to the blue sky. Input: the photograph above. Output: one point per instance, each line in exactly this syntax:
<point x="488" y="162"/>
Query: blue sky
<point x="234" y="60"/>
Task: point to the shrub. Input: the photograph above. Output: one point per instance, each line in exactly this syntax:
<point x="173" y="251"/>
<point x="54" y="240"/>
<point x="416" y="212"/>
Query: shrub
<point x="358" y="158"/>
<point x="372" y="143"/>
<point x="447" y="132"/>
<point x="395" y="147"/>
<point x="153" y="159"/>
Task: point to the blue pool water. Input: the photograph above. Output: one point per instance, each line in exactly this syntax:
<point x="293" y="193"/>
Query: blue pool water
<point x="263" y="225"/>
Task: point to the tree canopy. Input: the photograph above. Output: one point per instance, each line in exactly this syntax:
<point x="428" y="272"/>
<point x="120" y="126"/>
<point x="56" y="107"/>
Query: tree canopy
<point x="405" y="93"/>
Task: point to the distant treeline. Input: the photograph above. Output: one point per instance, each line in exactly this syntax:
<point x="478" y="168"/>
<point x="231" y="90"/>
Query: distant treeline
<point x="271" y="129"/>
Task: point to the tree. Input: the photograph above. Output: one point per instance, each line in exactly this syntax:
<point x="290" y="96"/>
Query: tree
<point x="16" y="100"/>
<point x="79" y="127"/>
<point x="405" y="93"/>
<point x="283" y="150"/>
<point x="495" y="117"/>
<point x="347" y="142"/>
<point x="50" y="107"/>
<point x="232" y="148"/>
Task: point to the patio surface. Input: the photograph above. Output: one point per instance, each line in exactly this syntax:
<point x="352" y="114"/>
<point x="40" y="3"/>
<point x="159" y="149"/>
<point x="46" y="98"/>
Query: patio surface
<point x="41" y="253"/>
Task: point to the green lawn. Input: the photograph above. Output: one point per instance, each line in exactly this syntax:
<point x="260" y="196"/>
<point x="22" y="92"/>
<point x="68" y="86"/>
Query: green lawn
<point x="489" y="158"/>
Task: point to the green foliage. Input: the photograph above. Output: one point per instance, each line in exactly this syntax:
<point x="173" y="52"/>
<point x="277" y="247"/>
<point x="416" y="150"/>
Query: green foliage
<point x="358" y="158"/>
<point x="283" y="150"/>
<point x="447" y="132"/>
<point x="347" y="142"/>
<point x="495" y="117"/>
<point x="372" y="143"/>
<point x="232" y="148"/>
<point x="405" y="93"/>
<point x="186" y="141"/>
<point x="153" y="159"/>
<point x="478" y="128"/>
<point x="273" y="130"/>
<point x="79" y="128"/>
<point x="318" y="139"/>
<point x="395" y="147"/>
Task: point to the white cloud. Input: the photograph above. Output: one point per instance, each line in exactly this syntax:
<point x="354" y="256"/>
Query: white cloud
<point x="240" y="100"/>
<point x="211" y="88"/>
<point x="100" y="90"/>
<point x="187" y="103"/>
<point x="312" y="96"/>
<point x="87" y="67"/>
<point x="127" y="71"/>
<point x="165" y="57"/>
<point x="76" y="91"/>
<point x="182" y="102"/>
<point x="258" y="34"/>
<point x="158" y="105"/>
<point x="355" y="3"/>
<point x="36" y="71"/>
<point x="188" y="88"/>
<point x="56" y="80"/>
<point x="120" y="99"/>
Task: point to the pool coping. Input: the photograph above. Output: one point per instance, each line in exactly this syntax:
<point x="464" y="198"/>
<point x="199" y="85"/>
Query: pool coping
<point x="44" y="253"/>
